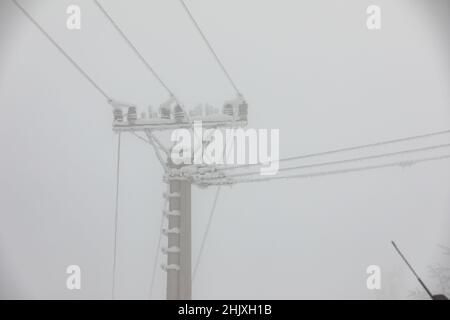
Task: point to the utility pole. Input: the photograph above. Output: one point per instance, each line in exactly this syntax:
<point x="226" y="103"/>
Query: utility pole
<point x="178" y="177"/>
<point x="178" y="267"/>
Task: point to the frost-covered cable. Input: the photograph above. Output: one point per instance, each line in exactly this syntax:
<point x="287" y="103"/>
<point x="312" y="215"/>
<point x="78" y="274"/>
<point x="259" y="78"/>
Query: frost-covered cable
<point x="208" y="44"/>
<point x="62" y="51"/>
<point x="231" y="181"/>
<point x="352" y="148"/>
<point x="140" y="56"/>
<point x="357" y="159"/>
<point x="116" y="218"/>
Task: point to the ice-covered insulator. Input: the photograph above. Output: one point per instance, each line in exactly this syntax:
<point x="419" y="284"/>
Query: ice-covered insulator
<point x="164" y="112"/>
<point x="132" y="114"/>
<point x="118" y="114"/>
<point x="228" y="109"/>
<point x="178" y="113"/>
<point x="243" y="110"/>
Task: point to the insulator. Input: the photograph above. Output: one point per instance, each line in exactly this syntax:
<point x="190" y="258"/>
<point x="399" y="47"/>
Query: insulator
<point x="178" y="113"/>
<point x="243" y="110"/>
<point x="164" y="112"/>
<point x="228" y="109"/>
<point x="118" y="114"/>
<point x="131" y="115"/>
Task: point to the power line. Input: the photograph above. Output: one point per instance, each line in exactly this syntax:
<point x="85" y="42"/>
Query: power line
<point x="377" y="156"/>
<point x="139" y="55"/>
<point x="116" y="217"/>
<point x="225" y="181"/>
<point x="222" y="66"/>
<point x="133" y="47"/>
<point x="352" y="148"/>
<point x="205" y="235"/>
<point x="61" y="50"/>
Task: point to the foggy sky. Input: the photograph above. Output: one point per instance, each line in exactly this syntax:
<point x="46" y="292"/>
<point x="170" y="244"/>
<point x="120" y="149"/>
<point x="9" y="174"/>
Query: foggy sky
<point x="309" y="68"/>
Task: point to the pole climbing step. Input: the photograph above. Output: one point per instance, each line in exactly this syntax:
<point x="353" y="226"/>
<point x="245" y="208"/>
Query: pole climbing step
<point x="170" y="267"/>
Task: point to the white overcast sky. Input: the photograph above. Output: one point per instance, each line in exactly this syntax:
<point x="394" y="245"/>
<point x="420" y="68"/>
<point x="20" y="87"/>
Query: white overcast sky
<point x="309" y="68"/>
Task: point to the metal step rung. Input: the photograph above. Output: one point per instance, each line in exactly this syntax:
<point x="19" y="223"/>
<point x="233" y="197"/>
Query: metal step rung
<point x="173" y="213"/>
<point x="170" y="231"/>
<point x="173" y="249"/>
<point x="175" y="267"/>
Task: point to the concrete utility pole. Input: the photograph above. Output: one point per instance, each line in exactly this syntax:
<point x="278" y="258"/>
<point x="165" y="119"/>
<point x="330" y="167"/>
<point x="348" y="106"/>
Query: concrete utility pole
<point x="179" y="239"/>
<point x="178" y="212"/>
